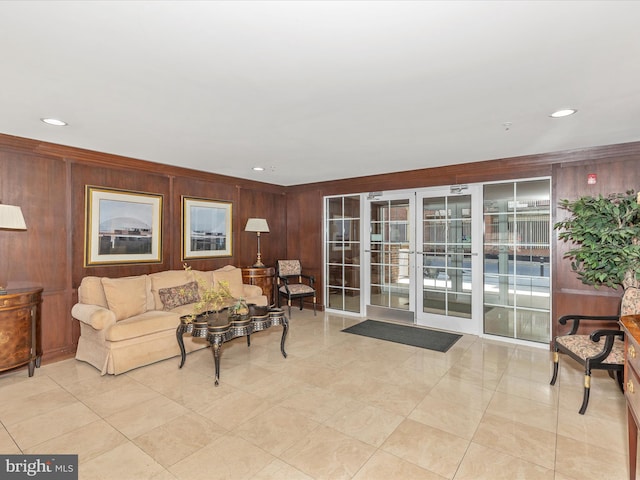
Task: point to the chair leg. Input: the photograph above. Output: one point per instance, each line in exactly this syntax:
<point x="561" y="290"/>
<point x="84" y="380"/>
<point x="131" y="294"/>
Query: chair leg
<point x="620" y="378"/>
<point x="556" y="359"/>
<point x="314" y="306"/>
<point x="587" y="389"/>
<point x="289" y="304"/>
<point x="301" y="303"/>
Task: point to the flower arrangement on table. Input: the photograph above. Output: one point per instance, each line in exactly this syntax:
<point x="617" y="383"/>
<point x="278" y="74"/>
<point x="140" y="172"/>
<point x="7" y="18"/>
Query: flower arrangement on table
<point x="213" y="297"/>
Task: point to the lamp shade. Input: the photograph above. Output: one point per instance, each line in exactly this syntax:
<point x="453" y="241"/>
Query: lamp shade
<point x="256" y="225"/>
<point x="11" y="217"/>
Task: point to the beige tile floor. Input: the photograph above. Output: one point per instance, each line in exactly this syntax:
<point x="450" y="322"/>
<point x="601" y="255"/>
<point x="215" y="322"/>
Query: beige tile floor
<point x="339" y="407"/>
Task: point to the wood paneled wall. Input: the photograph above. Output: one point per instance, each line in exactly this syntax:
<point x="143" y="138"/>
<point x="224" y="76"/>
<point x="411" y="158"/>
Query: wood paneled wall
<point x="48" y="181"/>
<point x="37" y="184"/>
<point x="614" y="165"/>
<point x="614" y="174"/>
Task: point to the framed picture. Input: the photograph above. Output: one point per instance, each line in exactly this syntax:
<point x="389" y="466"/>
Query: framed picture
<point x="122" y="227"/>
<point x="206" y="228"/>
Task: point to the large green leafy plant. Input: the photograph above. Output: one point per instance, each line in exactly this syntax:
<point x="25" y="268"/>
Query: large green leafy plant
<point x="605" y="232"/>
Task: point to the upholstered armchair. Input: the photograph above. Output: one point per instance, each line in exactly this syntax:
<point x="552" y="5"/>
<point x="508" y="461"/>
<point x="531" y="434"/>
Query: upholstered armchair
<point x="601" y="349"/>
<point x="293" y="284"/>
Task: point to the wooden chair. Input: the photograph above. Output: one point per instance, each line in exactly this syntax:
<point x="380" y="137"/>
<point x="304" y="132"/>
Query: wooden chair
<point x="293" y="284"/>
<point x="602" y="349"/>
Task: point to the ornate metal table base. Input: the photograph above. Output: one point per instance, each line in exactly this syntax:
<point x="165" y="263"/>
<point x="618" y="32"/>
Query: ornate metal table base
<point x="221" y="327"/>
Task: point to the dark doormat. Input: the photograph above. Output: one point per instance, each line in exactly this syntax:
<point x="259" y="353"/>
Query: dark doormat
<point x="414" y="336"/>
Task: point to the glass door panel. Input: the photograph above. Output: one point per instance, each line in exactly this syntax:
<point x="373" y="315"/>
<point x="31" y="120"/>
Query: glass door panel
<point x="446" y="260"/>
<point x="342" y="253"/>
<point x="391" y="273"/>
<point x="517" y="288"/>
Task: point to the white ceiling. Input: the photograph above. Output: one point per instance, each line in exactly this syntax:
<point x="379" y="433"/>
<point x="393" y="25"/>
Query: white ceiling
<point x="315" y="91"/>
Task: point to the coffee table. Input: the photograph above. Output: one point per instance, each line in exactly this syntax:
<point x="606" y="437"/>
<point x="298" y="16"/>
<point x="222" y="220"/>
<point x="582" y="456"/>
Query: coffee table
<point x="220" y="327"/>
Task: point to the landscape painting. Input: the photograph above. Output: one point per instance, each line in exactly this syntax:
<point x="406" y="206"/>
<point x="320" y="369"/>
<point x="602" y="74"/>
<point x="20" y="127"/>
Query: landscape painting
<point x="122" y="227"/>
<point x="206" y="228"/>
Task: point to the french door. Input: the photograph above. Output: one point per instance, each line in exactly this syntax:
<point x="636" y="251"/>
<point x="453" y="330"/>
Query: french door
<point x="390" y="257"/>
<point x="448" y="265"/>
<point x="422" y="258"/>
<point x="472" y="259"/>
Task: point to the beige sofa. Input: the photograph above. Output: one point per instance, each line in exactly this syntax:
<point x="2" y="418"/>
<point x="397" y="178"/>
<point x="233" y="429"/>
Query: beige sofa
<point x="129" y="322"/>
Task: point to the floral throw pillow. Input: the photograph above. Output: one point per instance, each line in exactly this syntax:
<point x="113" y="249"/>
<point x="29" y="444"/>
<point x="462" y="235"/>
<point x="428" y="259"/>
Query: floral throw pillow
<point x="173" y="297"/>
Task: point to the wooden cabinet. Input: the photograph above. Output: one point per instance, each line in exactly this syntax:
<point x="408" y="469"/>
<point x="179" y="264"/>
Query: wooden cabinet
<point x="631" y="327"/>
<point x="263" y="277"/>
<point x="20" y="332"/>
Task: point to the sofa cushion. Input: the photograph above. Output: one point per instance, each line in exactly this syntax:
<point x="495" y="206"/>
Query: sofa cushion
<point x="173" y="297"/>
<point x="231" y="275"/>
<point x="126" y="296"/>
<point x="167" y="279"/>
<point x="92" y="292"/>
<point x="146" y="323"/>
<point x="204" y="279"/>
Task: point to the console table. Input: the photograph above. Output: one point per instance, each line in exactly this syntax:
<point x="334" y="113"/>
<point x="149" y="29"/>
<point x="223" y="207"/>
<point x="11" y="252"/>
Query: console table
<point x="220" y="327"/>
<point x="20" y="331"/>
<point x="263" y="277"/>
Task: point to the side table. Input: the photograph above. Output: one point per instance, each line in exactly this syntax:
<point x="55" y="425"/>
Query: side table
<point x="263" y="277"/>
<point x="20" y="331"/>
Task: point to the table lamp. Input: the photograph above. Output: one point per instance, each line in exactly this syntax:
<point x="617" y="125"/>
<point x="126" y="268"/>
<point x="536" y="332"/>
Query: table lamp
<point x="258" y="225"/>
<point x="10" y="219"/>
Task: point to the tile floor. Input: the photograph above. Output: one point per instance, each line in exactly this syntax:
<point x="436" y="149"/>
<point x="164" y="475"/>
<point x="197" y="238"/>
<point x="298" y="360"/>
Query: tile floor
<point x="339" y="407"/>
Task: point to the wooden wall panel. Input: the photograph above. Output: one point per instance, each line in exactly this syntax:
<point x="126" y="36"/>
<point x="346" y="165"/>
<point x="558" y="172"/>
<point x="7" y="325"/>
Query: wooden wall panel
<point x="59" y="333"/>
<point x="614" y="174"/>
<point x="260" y="204"/>
<point x="37" y="184"/>
<point x="48" y="181"/>
<point x="38" y="256"/>
<point x="586" y="303"/>
<point x="304" y="234"/>
<point x="197" y="188"/>
<point x="491" y="170"/>
<point x="117" y="178"/>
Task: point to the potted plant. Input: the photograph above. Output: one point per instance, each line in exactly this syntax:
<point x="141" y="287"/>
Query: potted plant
<point x="212" y="298"/>
<point x="605" y="232"/>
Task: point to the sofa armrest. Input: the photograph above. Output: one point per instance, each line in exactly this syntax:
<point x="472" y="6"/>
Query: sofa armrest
<point x="251" y="290"/>
<point x="94" y="315"/>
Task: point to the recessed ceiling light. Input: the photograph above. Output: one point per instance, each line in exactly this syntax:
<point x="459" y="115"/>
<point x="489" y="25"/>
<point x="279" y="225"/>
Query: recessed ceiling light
<point x="54" y="121"/>
<point x="565" y="112"/>
<point x="258" y="169"/>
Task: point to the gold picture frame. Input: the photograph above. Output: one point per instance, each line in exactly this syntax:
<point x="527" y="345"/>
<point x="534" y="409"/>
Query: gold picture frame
<point x="206" y="228"/>
<point x="122" y="226"/>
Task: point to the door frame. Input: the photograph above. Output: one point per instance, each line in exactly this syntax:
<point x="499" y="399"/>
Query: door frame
<point x="474" y="324"/>
<point x="377" y="311"/>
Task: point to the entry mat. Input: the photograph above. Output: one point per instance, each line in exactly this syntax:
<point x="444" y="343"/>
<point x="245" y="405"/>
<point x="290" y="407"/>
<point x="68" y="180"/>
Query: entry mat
<point x="407" y="335"/>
